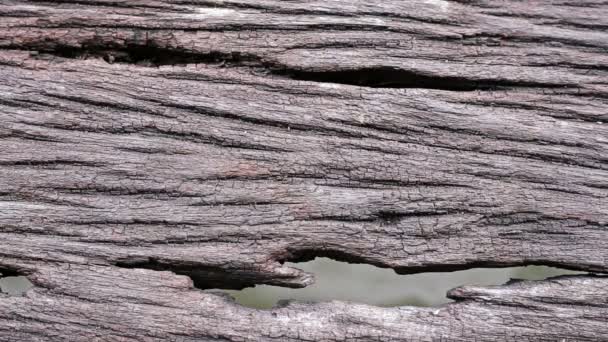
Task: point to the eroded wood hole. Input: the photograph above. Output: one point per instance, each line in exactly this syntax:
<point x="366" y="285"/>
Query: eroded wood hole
<point x="362" y="283"/>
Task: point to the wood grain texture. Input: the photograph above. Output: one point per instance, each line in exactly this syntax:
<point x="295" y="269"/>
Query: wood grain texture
<point x="145" y="141"/>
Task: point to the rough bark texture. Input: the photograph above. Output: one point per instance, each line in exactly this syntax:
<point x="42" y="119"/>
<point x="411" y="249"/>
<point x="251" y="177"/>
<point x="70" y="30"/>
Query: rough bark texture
<point x="142" y="142"/>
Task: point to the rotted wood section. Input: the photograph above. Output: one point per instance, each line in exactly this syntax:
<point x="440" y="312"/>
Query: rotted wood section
<point x="152" y="149"/>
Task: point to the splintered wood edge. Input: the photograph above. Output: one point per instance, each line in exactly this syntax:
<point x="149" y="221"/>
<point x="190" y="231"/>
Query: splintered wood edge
<point x="151" y="149"/>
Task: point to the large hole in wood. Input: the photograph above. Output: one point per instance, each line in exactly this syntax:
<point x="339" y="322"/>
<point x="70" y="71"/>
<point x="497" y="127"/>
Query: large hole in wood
<point x="368" y="284"/>
<point x="12" y="283"/>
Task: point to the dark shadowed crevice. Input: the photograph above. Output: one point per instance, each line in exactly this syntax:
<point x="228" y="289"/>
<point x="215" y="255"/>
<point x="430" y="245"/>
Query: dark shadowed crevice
<point x="149" y="55"/>
<point x="391" y="217"/>
<point x="203" y="276"/>
<point x="387" y="77"/>
<point x="152" y="55"/>
<point x="8" y="272"/>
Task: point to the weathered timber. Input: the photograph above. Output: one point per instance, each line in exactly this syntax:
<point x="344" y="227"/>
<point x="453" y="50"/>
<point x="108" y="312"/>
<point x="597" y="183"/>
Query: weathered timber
<point x="145" y="142"/>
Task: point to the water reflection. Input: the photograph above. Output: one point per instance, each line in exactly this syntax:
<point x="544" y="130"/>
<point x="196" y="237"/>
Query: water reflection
<point x="383" y="287"/>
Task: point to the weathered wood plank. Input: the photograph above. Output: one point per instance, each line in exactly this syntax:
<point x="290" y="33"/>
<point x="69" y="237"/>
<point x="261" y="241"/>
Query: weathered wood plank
<point x="219" y="139"/>
<point x="98" y="302"/>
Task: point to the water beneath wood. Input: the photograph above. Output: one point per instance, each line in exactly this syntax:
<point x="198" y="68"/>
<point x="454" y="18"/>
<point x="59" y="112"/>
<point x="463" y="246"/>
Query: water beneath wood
<point x="378" y="286"/>
<point x="15" y="286"/>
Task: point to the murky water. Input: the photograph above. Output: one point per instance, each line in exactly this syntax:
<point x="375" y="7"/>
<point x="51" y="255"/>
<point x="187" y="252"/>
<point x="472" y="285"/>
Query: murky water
<point x="377" y="286"/>
<point x="15" y="286"/>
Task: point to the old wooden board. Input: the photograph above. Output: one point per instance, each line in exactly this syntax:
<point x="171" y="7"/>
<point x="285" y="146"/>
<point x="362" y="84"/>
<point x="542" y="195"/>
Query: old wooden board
<point x="151" y="149"/>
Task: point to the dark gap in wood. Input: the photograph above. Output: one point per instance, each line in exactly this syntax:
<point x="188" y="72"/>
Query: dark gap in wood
<point x="148" y="55"/>
<point x="50" y="163"/>
<point x="388" y="217"/>
<point x="152" y="55"/>
<point x="203" y="276"/>
<point x="8" y="272"/>
<point x="387" y="77"/>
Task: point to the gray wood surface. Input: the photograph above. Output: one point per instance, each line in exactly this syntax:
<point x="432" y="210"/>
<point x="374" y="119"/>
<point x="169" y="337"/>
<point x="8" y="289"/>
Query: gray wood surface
<point x="150" y="149"/>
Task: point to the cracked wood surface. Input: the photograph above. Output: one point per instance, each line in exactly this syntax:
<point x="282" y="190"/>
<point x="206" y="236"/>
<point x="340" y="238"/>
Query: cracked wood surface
<point x="143" y="142"/>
